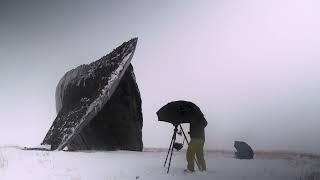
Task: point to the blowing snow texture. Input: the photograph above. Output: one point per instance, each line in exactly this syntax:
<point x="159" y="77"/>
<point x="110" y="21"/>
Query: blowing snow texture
<point x="84" y="91"/>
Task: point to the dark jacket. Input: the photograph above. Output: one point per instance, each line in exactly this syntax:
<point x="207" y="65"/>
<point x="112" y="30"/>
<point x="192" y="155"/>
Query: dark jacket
<point x="197" y="128"/>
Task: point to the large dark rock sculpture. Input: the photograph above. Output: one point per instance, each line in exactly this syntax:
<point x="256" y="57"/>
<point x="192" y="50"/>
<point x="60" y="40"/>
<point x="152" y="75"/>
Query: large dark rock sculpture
<point x="99" y="105"/>
<point x="118" y="125"/>
<point x="244" y="151"/>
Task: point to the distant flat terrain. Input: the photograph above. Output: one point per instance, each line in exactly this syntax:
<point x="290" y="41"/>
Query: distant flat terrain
<point x="147" y="165"/>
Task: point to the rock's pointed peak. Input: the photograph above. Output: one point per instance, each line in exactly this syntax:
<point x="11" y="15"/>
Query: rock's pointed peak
<point x="135" y="39"/>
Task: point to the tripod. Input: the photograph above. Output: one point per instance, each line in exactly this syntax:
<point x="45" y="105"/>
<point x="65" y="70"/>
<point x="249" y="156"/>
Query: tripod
<point x="173" y="140"/>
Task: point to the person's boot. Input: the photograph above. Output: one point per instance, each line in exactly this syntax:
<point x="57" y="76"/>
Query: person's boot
<point x="188" y="171"/>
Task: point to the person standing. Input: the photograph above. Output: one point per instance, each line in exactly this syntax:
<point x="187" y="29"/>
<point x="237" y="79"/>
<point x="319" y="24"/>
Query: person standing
<point x="195" y="148"/>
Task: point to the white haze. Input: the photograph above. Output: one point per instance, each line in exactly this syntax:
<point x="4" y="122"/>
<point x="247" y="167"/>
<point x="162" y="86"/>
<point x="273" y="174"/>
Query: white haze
<point x="251" y="66"/>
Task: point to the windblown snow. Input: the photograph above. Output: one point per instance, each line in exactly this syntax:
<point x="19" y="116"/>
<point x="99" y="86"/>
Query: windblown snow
<point x="148" y="165"/>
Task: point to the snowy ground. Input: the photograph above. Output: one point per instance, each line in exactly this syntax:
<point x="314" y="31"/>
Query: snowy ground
<point x="113" y="165"/>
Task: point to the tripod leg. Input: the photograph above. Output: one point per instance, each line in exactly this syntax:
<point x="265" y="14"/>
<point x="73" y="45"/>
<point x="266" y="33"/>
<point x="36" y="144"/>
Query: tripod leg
<point x="171" y="145"/>
<point x="185" y="137"/>
<point x="174" y="139"/>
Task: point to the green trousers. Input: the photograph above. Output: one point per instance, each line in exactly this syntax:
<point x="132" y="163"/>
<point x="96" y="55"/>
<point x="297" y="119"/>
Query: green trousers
<point x="195" y="148"/>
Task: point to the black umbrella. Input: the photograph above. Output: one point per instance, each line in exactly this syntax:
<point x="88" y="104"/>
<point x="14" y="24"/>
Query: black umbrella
<point x="178" y="112"/>
<point x="244" y="151"/>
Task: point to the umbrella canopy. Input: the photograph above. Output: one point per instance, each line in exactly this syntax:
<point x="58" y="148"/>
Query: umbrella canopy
<point x="178" y="112"/>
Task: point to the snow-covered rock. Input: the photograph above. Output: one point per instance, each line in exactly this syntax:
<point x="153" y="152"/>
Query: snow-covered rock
<point x="86" y="98"/>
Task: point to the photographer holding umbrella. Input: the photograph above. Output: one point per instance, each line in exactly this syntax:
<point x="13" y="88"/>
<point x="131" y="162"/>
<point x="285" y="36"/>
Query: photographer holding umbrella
<point x="177" y="113"/>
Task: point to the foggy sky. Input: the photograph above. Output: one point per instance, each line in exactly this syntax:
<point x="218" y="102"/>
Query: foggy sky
<point x="251" y="66"/>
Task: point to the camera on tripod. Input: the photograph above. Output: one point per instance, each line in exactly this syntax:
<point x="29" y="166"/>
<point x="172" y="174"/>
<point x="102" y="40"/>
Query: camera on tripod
<point x="176" y="145"/>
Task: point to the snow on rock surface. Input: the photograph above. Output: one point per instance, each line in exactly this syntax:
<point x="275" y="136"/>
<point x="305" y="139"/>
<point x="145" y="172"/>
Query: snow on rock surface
<point x="83" y="104"/>
<point x="148" y="165"/>
<point x="119" y="123"/>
